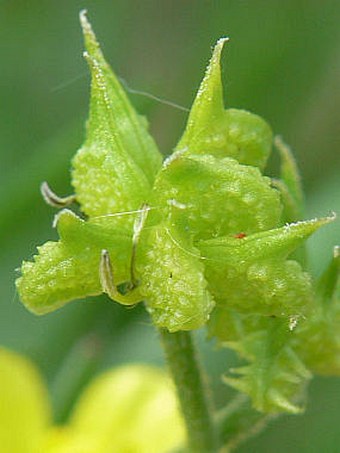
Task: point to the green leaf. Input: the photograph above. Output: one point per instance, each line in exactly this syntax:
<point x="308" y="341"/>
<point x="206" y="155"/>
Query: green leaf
<point x="172" y="280"/>
<point x="69" y="269"/>
<point x="210" y="197"/>
<point x="213" y="130"/>
<point x="115" y="168"/>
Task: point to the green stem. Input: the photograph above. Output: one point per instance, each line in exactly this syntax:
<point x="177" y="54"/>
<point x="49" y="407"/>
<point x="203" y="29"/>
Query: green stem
<point x="239" y="421"/>
<point x="182" y="361"/>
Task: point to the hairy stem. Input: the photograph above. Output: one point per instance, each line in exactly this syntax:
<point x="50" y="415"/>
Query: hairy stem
<point x="186" y="373"/>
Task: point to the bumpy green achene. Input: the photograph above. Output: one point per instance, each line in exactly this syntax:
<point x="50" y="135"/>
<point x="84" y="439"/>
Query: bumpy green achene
<point x="201" y="238"/>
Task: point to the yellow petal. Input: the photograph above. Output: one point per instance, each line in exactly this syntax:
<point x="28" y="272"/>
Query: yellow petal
<point x="132" y="409"/>
<point x="24" y="408"/>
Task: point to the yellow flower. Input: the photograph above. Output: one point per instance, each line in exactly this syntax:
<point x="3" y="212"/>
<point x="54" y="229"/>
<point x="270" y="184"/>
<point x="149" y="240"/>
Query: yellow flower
<point x="25" y="413"/>
<point x="129" y="409"/>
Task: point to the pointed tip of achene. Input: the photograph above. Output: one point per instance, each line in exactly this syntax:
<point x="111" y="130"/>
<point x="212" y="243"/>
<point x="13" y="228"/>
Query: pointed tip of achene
<point x="210" y="92"/>
<point x="217" y="51"/>
<point x="221" y="41"/>
<point x="91" y="43"/>
<point x="83" y="19"/>
<point x="309" y="226"/>
<point x="208" y="106"/>
<point x="85" y="24"/>
<point x="301" y="230"/>
<point x="324" y="220"/>
<point x="86" y="27"/>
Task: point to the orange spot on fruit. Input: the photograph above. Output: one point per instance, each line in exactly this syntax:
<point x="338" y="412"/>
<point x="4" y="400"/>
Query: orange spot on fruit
<point x="240" y="235"/>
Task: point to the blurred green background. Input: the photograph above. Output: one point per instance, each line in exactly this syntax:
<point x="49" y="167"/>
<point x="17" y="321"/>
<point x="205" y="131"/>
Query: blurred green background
<point x="283" y="62"/>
